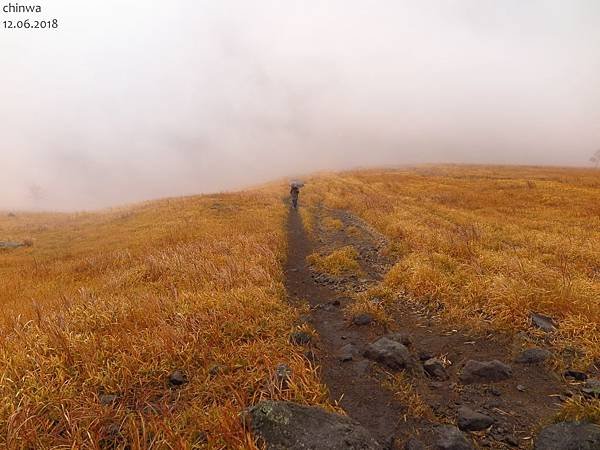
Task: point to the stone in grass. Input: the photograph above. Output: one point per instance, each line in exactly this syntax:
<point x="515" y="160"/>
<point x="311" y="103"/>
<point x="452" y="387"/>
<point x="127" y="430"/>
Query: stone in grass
<point x="287" y="425"/>
<point x="300" y="338"/>
<point x="576" y="375"/>
<point x="543" y="322"/>
<point x="11" y="245"/>
<point x="451" y="438"/>
<point x="435" y="369"/>
<point x="533" y="356"/>
<point x="389" y="353"/>
<point x="485" y="371"/>
<point x="569" y="436"/>
<point x="177" y="378"/>
<point x="592" y="388"/>
<point x="362" y="319"/>
<point x="469" y="420"/>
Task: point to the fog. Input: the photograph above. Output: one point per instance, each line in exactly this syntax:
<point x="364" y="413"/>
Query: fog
<point x="137" y="99"/>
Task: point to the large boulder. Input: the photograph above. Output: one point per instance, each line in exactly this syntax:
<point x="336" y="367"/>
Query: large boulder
<point x="569" y="436"/>
<point x="289" y="426"/>
<point x="390" y="353"/>
<point x="485" y="371"/>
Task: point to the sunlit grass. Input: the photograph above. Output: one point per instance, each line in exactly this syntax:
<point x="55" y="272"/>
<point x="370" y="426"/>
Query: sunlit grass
<point x="488" y="245"/>
<point x="113" y="302"/>
<point x="343" y="261"/>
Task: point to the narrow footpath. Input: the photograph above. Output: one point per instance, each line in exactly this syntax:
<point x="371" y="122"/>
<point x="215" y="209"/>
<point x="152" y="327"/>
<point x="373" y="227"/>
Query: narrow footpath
<point x="446" y="375"/>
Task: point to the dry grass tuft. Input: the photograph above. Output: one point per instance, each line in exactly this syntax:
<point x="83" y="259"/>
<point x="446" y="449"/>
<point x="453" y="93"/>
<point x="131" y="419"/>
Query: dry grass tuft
<point x="340" y="262"/>
<point x="332" y="224"/>
<point x="580" y="409"/>
<point x="416" y="408"/>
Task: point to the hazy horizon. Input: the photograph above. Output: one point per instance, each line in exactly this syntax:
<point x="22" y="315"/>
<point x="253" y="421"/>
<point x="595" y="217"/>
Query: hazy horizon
<point x="132" y="100"/>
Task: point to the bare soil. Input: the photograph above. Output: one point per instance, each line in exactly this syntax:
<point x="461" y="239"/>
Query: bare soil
<point x="519" y="405"/>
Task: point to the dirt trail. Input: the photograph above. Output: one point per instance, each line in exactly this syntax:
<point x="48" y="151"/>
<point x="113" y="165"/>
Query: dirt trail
<point x="517" y="405"/>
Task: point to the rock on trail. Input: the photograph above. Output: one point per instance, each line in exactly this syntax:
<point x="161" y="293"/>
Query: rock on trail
<point x="569" y="436"/>
<point x="389" y="353"/>
<point x="289" y="426"/>
<point x="485" y="372"/>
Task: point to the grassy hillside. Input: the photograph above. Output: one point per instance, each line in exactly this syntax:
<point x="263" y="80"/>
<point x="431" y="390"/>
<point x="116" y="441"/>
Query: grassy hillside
<point x="104" y="307"/>
<point x="488" y="245"/>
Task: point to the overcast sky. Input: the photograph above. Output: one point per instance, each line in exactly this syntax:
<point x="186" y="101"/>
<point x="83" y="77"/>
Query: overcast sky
<point x="138" y="99"/>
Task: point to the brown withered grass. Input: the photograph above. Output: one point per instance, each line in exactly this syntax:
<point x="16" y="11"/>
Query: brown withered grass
<point x="343" y="261"/>
<point x="489" y="244"/>
<point x="113" y="302"/>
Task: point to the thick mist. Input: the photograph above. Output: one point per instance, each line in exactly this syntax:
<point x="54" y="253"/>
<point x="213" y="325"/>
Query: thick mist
<point x="137" y="99"/>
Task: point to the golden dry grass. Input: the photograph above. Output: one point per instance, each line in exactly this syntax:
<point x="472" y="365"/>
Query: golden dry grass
<point x="490" y="244"/>
<point x="343" y="261"/>
<point x="113" y="302"/>
<point x="416" y="408"/>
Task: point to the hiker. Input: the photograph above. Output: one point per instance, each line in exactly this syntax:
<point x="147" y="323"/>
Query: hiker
<point x="294" y="192"/>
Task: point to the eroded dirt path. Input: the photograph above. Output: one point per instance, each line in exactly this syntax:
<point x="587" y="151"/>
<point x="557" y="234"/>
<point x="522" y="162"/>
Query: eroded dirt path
<point x="366" y="390"/>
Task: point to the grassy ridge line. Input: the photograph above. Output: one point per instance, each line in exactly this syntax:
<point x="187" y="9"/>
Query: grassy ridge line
<point x="111" y="303"/>
<point x="490" y="244"/>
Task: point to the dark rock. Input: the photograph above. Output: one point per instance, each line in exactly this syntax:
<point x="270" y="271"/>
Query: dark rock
<point x="543" y="322"/>
<point x="576" y="375"/>
<point x="511" y="440"/>
<point x="11" y="214"/>
<point x="108" y="399"/>
<point x="569" y="436"/>
<point x="434" y="368"/>
<point x="177" y="378"/>
<point x="335" y="302"/>
<point x="389" y="353"/>
<point x="451" y="438"/>
<point x="592" y="388"/>
<point x="424" y="355"/>
<point x="289" y="426"/>
<point x="300" y="338"/>
<point x="533" y="356"/>
<point x="469" y="420"/>
<point x="485" y="372"/>
<point x="348" y="352"/>
<point x="362" y="319"/>
<point x="413" y="444"/>
<point x="404" y="339"/>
